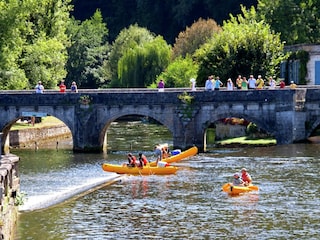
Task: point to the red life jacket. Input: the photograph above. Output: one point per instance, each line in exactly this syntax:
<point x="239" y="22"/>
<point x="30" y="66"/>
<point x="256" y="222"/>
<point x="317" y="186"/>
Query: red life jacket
<point x="144" y="160"/>
<point x="246" y="177"/>
<point x="132" y="159"/>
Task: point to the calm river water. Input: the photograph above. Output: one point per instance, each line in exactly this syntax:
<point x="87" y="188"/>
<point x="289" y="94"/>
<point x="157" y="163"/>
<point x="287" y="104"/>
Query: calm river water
<point x="187" y="205"/>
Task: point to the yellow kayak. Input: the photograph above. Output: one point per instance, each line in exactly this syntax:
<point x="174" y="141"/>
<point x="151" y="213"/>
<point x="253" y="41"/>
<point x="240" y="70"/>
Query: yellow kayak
<point x="183" y="155"/>
<point x="146" y="170"/>
<point x="236" y="190"/>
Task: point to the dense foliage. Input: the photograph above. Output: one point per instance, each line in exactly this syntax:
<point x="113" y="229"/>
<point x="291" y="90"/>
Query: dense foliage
<point x="245" y="46"/>
<point x="33" y="42"/>
<point x="88" y="52"/>
<point x="131" y="43"/>
<point x="297" y="21"/>
<point x="163" y="17"/>
<point x="193" y="37"/>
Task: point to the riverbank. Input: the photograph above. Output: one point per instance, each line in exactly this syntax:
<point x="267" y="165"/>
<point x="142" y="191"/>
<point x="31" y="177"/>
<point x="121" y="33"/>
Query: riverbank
<point x="49" y="130"/>
<point x="245" y="141"/>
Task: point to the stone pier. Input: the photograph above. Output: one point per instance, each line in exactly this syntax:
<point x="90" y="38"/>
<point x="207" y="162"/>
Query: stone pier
<point x="9" y="191"/>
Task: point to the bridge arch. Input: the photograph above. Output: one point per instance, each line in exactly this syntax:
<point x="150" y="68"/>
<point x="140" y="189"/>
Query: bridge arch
<point x="275" y="111"/>
<point x="12" y="118"/>
<point x="106" y="120"/>
<point x="313" y="127"/>
<point x="261" y="123"/>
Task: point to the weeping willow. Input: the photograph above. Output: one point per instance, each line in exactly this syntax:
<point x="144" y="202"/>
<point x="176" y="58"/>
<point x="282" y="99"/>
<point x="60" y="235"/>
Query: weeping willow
<point x="140" y="66"/>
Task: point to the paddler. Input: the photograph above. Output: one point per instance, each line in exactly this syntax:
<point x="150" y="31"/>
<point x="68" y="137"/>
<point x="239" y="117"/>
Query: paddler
<point x="142" y="160"/>
<point x="131" y="160"/>
<point x="158" y="152"/>
<point x="246" y="178"/>
<point x="237" y="181"/>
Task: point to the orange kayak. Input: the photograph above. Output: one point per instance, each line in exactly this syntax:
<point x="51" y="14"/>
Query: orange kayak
<point x="236" y="190"/>
<point x="176" y="158"/>
<point x="146" y="170"/>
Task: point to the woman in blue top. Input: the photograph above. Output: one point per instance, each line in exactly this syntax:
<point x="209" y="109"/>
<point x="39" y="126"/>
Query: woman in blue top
<point x="217" y="84"/>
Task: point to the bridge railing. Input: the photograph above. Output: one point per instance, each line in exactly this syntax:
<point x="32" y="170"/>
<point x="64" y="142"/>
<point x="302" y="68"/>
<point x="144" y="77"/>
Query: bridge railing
<point x="129" y="90"/>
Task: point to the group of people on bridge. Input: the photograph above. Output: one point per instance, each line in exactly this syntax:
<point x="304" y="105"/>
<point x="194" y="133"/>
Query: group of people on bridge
<point x="62" y="87"/>
<point x="242" y="83"/>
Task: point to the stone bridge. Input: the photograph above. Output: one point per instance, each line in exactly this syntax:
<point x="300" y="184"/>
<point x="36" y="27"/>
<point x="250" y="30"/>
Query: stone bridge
<point x="289" y="115"/>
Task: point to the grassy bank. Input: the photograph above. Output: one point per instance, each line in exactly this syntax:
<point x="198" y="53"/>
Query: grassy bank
<point x="247" y="141"/>
<point x="45" y="122"/>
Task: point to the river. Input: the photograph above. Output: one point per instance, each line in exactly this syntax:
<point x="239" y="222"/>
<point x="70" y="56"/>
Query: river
<point x="187" y="205"/>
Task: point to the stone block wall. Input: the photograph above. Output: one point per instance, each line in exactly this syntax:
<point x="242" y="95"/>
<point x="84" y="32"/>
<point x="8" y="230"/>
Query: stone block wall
<point x="9" y="188"/>
<point x="27" y="138"/>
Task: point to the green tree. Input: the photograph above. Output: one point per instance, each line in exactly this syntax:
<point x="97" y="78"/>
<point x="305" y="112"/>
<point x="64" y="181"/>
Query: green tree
<point x="245" y="46"/>
<point x="140" y="65"/>
<point x="179" y="72"/>
<point x="88" y="53"/>
<point x="11" y="46"/>
<point x="297" y="21"/>
<point x="44" y="54"/>
<point x="193" y="37"/>
<point x="127" y="40"/>
<point x="33" y="42"/>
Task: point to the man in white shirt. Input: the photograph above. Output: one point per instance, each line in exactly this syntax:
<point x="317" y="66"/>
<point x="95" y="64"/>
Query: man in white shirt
<point x="251" y="82"/>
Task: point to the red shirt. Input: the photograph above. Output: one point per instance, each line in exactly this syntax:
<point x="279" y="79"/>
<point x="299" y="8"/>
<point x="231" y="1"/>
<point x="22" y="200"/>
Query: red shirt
<point x="62" y="88"/>
<point x="246" y="177"/>
<point x="282" y="84"/>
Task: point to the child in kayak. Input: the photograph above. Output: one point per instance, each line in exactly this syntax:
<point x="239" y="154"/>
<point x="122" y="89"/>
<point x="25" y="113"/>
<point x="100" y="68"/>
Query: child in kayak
<point x="246" y="178"/>
<point x="237" y="181"/>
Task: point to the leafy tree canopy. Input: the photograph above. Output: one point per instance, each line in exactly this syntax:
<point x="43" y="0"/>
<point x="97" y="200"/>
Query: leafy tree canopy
<point x="32" y="42"/>
<point x="139" y="66"/>
<point x="245" y="46"/>
<point x="193" y="37"/>
<point x="179" y="72"/>
<point x="88" y="53"/>
<point x="297" y="21"/>
<point x="127" y="40"/>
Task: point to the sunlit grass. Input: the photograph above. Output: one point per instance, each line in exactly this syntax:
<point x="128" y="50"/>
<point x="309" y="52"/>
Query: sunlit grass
<point x="46" y="122"/>
<point x="246" y="140"/>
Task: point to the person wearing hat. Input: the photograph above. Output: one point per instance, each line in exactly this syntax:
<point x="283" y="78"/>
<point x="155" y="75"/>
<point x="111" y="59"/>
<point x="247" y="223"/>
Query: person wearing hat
<point x="39" y="87"/>
<point x="237" y="181"/>
<point x="246" y="178"/>
<point x="293" y="85"/>
<point x="74" y="88"/>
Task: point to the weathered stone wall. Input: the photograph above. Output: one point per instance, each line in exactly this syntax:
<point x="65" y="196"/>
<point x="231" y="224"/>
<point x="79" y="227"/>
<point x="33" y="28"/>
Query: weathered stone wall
<point x="9" y="190"/>
<point x="276" y="111"/>
<point x="27" y="138"/>
<point x="228" y="131"/>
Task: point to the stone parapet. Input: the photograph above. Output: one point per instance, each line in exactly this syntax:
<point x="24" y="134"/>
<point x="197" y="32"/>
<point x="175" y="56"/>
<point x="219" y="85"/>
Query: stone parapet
<point x="9" y="189"/>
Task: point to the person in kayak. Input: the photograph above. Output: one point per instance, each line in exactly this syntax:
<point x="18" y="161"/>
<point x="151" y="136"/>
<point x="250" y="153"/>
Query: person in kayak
<point x="142" y="160"/>
<point x="246" y="178"/>
<point x="237" y="181"/>
<point x="158" y="152"/>
<point x="132" y="160"/>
